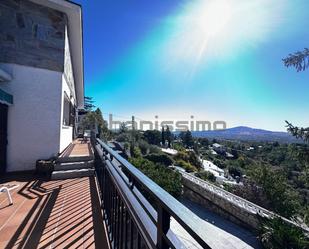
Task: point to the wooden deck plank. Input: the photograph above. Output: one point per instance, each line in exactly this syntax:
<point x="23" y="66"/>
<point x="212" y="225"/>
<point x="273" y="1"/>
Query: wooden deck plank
<point x="60" y="214"/>
<point x="78" y="148"/>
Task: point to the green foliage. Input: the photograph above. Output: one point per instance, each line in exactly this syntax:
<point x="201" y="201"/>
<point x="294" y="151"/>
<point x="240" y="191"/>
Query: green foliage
<point x="235" y="171"/>
<point x="277" y="234"/>
<point x="298" y="132"/>
<point x="123" y="137"/>
<point x="88" y="103"/>
<point x="251" y="192"/>
<point x="178" y="147"/>
<point x="93" y="120"/>
<point x="186" y="138"/>
<point x="154" y="149"/>
<point x="160" y="158"/>
<point x="168" y="136"/>
<point x="206" y="176"/>
<point x="186" y="165"/>
<point x="282" y="198"/>
<point x="189" y="157"/>
<point x="152" y="137"/>
<point x="123" y="128"/>
<point x="299" y="60"/>
<point x="167" y="179"/>
<point x="143" y="146"/>
<point x="203" y="141"/>
<point x="102" y="125"/>
<point x="135" y="152"/>
<point x="220" y="163"/>
<point x="163" y="138"/>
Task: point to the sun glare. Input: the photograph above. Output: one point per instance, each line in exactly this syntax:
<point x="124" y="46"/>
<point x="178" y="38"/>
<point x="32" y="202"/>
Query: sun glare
<point x="204" y="30"/>
<point x="216" y="13"/>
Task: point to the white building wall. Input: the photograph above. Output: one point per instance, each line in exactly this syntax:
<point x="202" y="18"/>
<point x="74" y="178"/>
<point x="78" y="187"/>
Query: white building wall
<point x="66" y="132"/>
<point x="34" y="118"/>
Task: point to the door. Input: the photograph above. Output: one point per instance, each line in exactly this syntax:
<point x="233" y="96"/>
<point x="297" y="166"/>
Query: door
<point x="3" y="136"/>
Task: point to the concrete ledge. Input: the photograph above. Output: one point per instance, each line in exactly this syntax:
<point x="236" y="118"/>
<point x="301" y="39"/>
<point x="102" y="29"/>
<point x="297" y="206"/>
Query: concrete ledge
<point x="66" y="174"/>
<point x="74" y="165"/>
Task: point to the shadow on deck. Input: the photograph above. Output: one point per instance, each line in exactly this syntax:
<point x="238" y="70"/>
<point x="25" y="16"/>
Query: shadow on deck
<point x="61" y="214"/>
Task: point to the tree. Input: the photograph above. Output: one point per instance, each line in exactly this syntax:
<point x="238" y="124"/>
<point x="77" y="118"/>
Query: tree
<point x="203" y="141"/>
<point x="143" y="146"/>
<point x="88" y="103"/>
<point x="160" y="158"/>
<point x="152" y="137"/>
<point x="169" y="180"/>
<point x="298" y="132"/>
<point x="282" y="198"/>
<point x="276" y="233"/>
<point x="169" y="136"/>
<point x="123" y="127"/>
<point x="93" y="120"/>
<point x="299" y="60"/>
<point x="186" y="138"/>
<point x="206" y="176"/>
<point x="163" y="136"/>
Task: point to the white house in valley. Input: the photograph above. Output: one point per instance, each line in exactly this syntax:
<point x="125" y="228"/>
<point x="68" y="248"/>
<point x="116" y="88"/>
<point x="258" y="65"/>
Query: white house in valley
<point x="41" y="79"/>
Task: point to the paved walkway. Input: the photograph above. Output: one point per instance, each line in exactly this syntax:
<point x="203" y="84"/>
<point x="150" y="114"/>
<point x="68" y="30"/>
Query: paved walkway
<point x="52" y="214"/>
<point x="222" y="233"/>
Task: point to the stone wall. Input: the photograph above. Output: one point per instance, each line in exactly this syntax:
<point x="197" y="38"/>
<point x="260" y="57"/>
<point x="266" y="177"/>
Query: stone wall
<point x="228" y="205"/>
<point x="32" y="35"/>
<point x="219" y="205"/>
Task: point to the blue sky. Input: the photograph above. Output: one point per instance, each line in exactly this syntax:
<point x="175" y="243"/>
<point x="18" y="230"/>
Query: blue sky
<point x="213" y="59"/>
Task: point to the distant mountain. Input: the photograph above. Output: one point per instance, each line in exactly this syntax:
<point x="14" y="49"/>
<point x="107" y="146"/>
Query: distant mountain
<point x="248" y="134"/>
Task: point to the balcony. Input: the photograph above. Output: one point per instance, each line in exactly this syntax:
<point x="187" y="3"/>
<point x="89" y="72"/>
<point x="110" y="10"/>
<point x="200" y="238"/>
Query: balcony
<point x="61" y="214"/>
<point x="119" y="207"/>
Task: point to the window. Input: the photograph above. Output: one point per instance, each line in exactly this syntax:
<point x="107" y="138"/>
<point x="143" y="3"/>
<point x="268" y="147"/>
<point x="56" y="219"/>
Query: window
<point x="68" y="111"/>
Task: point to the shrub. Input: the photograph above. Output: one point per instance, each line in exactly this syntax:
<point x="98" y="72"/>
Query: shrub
<point x="235" y="171"/>
<point x="144" y="146"/>
<point x="277" y="234"/>
<point x="206" y="176"/>
<point x="189" y="157"/>
<point x="160" y="158"/>
<point x="169" y="180"/>
<point x="187" y="166"/>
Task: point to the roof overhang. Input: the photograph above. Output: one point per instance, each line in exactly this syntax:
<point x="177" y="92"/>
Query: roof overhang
<point x="4" y="76"/>
<point x="75" y="30"/>
<point x="5" y="98"/>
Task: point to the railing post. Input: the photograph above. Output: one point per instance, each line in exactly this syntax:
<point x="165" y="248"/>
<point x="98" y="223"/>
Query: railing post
<point x="131" y="182"/>
<point x="163" y="225"/>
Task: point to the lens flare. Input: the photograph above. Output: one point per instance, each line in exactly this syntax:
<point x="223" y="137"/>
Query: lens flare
<point x="205" y="30"/>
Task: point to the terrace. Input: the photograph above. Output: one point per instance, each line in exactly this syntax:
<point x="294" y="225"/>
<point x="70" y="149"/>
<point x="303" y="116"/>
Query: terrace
<point x="118" y="207"/>
<point x="63" y="213"/>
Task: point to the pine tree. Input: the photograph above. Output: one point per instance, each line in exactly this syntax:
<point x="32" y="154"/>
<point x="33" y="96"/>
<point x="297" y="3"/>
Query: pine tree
<point x="299" y="60"/>
<point x="163" y="136"/>
<point x="88" y="103"/>
<point x="168" y="135"/>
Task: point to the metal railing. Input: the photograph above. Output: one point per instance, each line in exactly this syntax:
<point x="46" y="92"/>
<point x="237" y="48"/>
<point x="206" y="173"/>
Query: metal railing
<point x="138" y="212"/>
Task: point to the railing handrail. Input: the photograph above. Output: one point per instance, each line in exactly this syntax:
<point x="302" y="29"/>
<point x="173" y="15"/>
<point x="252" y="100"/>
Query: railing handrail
<point x="186" y="218"/>
<point x="260" y="210"/>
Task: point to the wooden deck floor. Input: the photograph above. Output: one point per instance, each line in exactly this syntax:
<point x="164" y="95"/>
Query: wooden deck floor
<point x="78" y="148"/>
<point x="53" y="214"/>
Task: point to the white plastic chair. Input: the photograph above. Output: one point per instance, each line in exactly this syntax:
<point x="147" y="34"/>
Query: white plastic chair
<point x="4" y="189"/>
